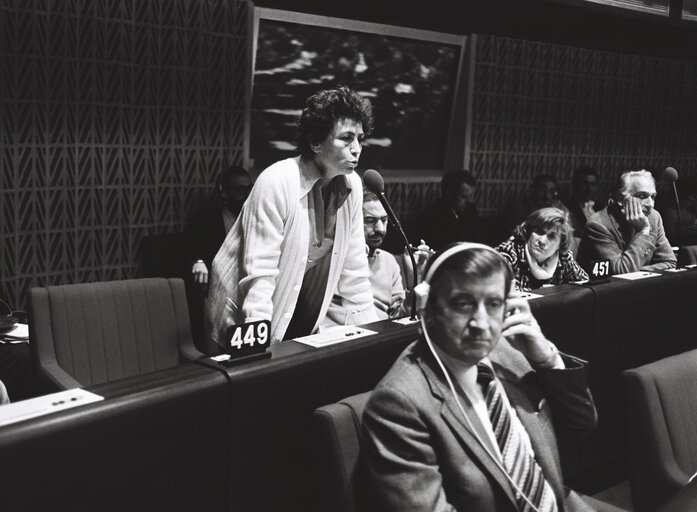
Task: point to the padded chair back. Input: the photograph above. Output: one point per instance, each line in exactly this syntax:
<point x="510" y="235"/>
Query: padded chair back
<point x="86" y="334"/>
<point x="339" y="436"/>
<point x="662" y="418"/>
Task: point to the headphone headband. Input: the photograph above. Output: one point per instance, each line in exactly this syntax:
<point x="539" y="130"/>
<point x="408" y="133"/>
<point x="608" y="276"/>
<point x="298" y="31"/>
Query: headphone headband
<point x="422" y="290"/>
<point x="460" y="247"/>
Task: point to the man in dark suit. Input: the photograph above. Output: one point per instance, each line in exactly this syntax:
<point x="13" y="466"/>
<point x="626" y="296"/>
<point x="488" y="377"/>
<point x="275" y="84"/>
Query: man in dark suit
<point x="453" y="217"/>
<point x="464" y="419"/>
<point x="583" y="201"/>
<point x="210" y="224"/>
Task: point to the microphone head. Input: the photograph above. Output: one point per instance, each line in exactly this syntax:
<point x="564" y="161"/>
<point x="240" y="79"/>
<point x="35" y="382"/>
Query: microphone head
<point x="670" y="174"/>
<point x="374" y="182"/>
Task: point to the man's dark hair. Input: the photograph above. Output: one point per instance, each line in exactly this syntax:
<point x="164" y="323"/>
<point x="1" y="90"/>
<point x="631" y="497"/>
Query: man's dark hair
<point x="452" y="179"/>
<point x="322" y="111"/>
<point x="231" y="172"/>
<point x="686" y="186"/>
<point x="582" y="172"/>
<point x="543" y="178"/>
<point x="369" y="196"/>
<point x="474" y="263"/>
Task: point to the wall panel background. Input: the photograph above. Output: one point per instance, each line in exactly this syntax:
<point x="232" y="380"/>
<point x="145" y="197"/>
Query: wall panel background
<point x="545" y="108"/>
<point x="116" y="117"/>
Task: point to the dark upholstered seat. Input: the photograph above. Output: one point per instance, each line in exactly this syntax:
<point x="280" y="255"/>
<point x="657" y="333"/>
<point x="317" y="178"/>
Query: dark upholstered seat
<point x="339" y="435"/>
<point x="86" y="334"/>
<point x="662" y="423"/>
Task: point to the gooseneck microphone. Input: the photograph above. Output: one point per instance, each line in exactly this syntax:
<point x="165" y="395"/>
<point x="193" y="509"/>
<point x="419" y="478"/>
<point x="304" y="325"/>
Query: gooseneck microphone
<point x="373" y="181"/>
<point x="671" y="175"/>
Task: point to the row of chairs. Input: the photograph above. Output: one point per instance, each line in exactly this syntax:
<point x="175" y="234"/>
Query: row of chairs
<point x="87" y="334"/>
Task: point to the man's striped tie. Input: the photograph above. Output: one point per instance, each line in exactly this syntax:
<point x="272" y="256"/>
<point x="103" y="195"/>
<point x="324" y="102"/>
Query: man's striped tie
<point x="518" y="457"/>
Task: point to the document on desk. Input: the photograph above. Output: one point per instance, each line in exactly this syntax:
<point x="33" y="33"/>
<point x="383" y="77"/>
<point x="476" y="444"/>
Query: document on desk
<point x="333" y="335"/>
<point x="18" y="334"/>
<point x="631" y="276"/>
<point x="46" y="404"/>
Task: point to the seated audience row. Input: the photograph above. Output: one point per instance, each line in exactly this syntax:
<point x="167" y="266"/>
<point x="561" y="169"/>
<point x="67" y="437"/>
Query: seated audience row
<point x="305" y="253"/>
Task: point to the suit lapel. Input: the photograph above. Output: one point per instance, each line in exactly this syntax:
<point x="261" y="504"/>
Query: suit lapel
<point x="452" y="416"/>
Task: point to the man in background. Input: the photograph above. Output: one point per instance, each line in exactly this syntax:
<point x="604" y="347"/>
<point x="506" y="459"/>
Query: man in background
<point x="453" y="217"/>
<point x="543" y="193"/>
<point x="682" y="229"/>
<point x="385" y="277"/>
<point x="583" y="201"/>
<point x="629" y="231"/>
<point x="205" y="234"/>
<point x="210" y="224"/>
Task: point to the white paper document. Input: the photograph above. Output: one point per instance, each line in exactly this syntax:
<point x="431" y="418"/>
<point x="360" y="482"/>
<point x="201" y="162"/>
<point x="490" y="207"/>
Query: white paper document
<point x="405" y="321"/>
<point x="46" y="404"/>
<point x="333" y="335"/>
<point x="637" y="275"/>
<point x="19" y="332"/>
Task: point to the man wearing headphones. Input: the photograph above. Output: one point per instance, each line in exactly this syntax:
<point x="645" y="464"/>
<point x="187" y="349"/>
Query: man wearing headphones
<point x="464" y="419"/>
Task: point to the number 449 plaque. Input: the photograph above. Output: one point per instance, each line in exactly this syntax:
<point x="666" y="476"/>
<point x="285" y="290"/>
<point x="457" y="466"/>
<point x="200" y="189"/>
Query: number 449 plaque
<point x="248" y="341"/>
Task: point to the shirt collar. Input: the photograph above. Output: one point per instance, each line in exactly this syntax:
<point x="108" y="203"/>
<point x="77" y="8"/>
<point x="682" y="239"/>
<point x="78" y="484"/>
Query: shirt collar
<point x="310" y="175"/>
<point x="465" y="374"/>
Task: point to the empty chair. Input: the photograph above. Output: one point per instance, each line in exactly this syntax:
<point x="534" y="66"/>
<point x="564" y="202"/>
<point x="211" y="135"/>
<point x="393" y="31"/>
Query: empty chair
<point x="86" y="334"/>
<point x="339" y="435"/>
<point x="662" y="423"/>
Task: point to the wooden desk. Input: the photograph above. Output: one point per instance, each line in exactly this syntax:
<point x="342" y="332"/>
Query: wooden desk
<point x="158" y="442"/>
<point x="635" y="322"/>
<point x="194" y="437"/>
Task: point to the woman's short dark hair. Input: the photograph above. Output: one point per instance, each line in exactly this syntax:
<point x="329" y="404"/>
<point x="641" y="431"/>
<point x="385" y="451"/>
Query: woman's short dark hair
<point x="543" y="220"/>
<point x="322" y="111"/>
<point x="474" y="263"/>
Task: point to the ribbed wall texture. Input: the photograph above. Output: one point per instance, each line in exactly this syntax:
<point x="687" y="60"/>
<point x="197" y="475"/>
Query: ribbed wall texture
<point x="116" y="117"/>
<point x="543" y="108"/>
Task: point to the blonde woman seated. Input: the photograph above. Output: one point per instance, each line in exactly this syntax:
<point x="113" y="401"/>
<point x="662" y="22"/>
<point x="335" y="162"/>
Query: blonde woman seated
<point x="539" y="251"/>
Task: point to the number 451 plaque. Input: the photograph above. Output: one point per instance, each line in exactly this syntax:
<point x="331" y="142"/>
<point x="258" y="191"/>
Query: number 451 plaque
<point x="599" y="271"/>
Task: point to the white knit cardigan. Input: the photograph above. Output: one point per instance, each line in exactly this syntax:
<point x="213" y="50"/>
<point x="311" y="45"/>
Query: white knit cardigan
<point x="258" y="271"/>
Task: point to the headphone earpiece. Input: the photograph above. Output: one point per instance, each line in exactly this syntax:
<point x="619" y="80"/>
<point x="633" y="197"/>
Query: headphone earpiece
<point x="421" y="291"/>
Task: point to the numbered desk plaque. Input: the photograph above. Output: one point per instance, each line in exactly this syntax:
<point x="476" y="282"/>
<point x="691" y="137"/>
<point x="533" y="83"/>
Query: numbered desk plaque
<point x="249" y="341"/>
<point x="599" y="271"/>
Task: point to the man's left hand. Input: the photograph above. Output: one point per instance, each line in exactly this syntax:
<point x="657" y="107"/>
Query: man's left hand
<point x="523" y="332"/>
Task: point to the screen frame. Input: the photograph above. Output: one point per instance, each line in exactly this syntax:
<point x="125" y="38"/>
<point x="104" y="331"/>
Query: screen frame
<point x="460" y="94"/>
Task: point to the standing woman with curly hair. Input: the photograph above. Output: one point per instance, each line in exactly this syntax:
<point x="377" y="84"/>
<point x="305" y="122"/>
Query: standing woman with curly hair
<point x="299" y="237"/>
<point x="539" y="251"/>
